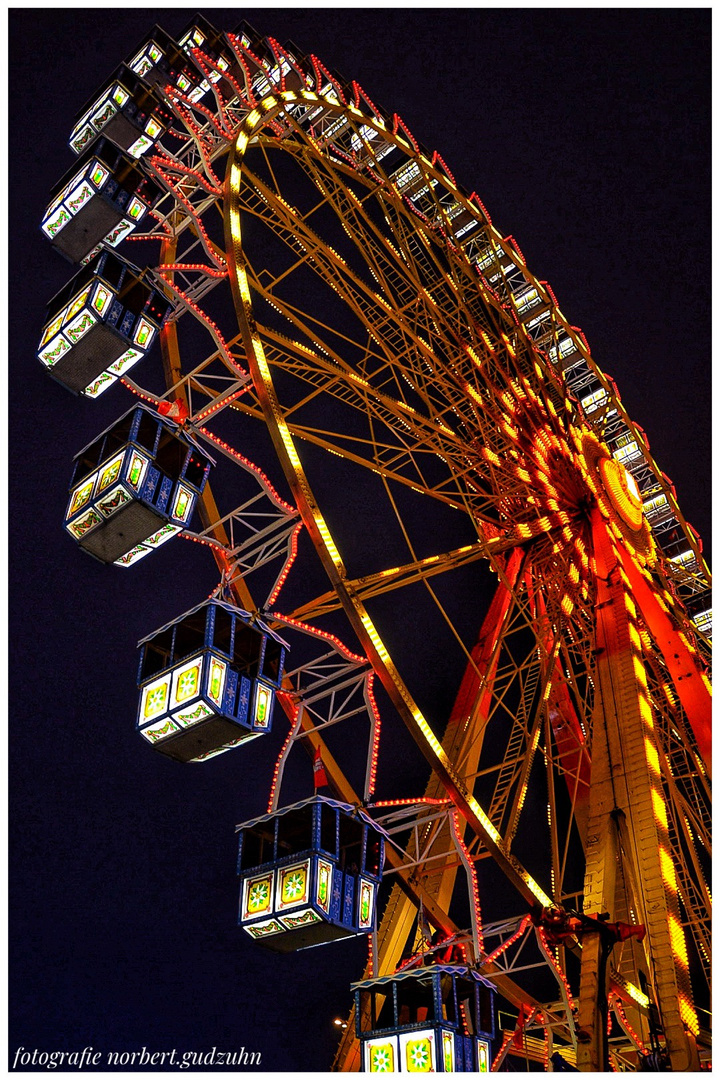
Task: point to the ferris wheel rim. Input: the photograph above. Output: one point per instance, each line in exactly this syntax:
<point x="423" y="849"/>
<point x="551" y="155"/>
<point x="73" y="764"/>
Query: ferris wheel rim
<point x="330" y="556"/>
<point x="285" y="446"/>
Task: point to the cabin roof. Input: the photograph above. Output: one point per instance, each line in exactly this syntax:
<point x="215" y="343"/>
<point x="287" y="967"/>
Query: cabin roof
<point x="358" y="811"/>
<point x="262" y="626"/>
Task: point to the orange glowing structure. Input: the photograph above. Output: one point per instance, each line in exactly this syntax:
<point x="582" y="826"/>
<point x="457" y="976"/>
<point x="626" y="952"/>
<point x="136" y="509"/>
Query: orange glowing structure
<point x="400" y="353"/>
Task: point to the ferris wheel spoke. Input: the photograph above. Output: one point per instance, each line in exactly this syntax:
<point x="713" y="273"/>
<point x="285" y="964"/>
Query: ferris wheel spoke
<point x="383" y="259"/>
<point x="334" y="379"/>
<point x="398" y="577"/>
<point x="363" y="625"/>
<point x="416" y="434"/>
<point x="395" y="269"/>
<point x="384" y="322"/>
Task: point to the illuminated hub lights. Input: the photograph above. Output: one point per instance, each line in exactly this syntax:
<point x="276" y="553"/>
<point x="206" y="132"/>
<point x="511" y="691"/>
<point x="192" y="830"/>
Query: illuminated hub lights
<point x="100" y="325"/>
<point x="557" y="496"/>
<point x="439" y="1018"/>
<point x="623" y="492"/>
<point x="102" y="199"/>
<point x="134" y="487"/>
<point x="618" y="499"/>
<point x="208" y="681"/>
<point x="309" y="874"/>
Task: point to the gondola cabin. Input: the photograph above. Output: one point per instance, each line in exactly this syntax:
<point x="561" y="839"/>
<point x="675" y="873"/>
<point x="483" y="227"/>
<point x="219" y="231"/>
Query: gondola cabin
<point x="201" y="34"/>
<point x="127" y="111"/>
<point x="270" y="69"/>
<point x="100" y="200"/>
<point x="135" y="487"/>
<point x="151" y="60"/>
<point x="439" y="1018"/>
<point x="101" y="324"/>
<point x="309" y="874"/>
<point x="163" y="61"/>
<point x="208" y="682"/>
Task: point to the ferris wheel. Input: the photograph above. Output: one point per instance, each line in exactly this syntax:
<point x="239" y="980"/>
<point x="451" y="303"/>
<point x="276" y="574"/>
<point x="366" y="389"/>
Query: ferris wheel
<point x="475" y="543"/>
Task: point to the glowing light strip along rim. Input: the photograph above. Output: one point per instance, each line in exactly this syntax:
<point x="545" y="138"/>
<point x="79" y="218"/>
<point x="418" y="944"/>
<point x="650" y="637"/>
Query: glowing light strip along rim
<point x="506" y="244"/>
<point x="492" y="837"/>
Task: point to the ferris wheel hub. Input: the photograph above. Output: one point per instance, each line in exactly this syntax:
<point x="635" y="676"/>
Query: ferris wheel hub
<point x="622" y="491"/>
<point x="618" y="498"/>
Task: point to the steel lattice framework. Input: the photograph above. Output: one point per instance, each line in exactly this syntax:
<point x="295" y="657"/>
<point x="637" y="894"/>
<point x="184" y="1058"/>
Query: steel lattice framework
<point x="412" y="372"/>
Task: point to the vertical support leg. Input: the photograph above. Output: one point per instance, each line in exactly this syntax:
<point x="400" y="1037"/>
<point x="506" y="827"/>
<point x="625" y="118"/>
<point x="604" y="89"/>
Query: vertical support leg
<point x="592" y="1045"/>
<point x="625" y="777"/>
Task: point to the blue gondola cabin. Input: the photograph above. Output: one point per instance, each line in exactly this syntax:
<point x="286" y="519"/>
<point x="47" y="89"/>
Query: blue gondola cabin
<point x="101" y="324"/>
<point x="208" y="682"/>
<point x="127" y="111"/>
<point x="135" y="487"/>
<point x="439" y="1018"/>
<point x="100" y="200"/>
<point x="309" y="874"/>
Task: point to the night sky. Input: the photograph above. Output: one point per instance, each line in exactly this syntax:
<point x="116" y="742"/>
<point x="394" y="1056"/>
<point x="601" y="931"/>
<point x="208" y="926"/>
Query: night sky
<point x="587" y="136"/>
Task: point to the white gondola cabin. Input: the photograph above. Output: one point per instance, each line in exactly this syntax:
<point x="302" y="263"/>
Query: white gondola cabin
<point x="439" y="1018"/>
<point x="126" y="111"/>
<point x="208" y="681"/>
<point x="309" y="874"/>
<point x="101" y="324"/>
<point x="135" y="487"/>
<point x="100" y="200"/>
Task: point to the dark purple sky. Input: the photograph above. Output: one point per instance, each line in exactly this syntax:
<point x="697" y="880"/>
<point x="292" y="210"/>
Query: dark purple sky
<point x="587" y="136"/>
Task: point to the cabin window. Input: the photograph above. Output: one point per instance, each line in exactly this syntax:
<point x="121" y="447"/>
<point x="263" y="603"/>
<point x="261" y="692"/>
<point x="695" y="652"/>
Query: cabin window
<point x="328" y="829"/>
<point x="133" y="296"/>
<point x="447" y="998"/>
<point x="467" y="1004"/>
<point x="257" y="846"/>
<point x="271" y="660"/>
<point x="351" y="837"/>
<point x="295" y="832"/>
<point x="416" y="1002"/>
<point x="222" y="632"/>
<point x="157" y="654"/>
<point x="171" y="454"/>
<point x="377" y="1009"/>
<point x="118" y="437"/>
<point x="195" y="469"/>
<point x="248" y="643"/>
<point x="112" y="271"/>
<point x="88" y="460"/>
<point x="147" y="431"/>
<point x="190" y="635"/>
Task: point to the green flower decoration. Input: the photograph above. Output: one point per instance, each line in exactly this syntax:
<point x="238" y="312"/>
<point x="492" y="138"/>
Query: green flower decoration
<point x="294" y="885"/>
